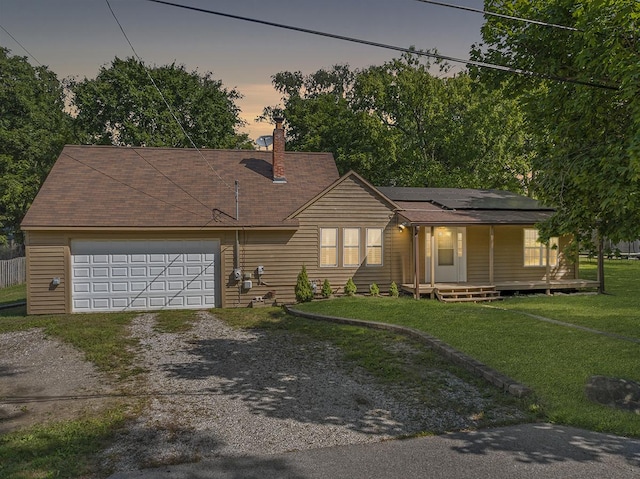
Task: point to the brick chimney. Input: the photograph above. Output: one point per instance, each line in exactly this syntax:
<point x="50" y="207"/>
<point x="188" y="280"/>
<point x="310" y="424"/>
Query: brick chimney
<point x="278" y="152"/>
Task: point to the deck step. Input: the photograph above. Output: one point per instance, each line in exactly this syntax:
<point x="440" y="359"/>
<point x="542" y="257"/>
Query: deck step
<point x="467" y="294"/>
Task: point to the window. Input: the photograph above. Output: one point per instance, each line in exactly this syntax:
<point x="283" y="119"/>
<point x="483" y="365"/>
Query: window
<point x="374" y="246"/>
<point x="328" y="246"/>
<point x="535" y="253"/>
<point x="351" y="247"/>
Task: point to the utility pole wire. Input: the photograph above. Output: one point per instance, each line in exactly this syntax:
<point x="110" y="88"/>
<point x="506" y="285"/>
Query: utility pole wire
<point x="164" y="99"/>
<point x="493" y="14"/>
<point x="395" y="48"/>
<point x="21" y="45"/>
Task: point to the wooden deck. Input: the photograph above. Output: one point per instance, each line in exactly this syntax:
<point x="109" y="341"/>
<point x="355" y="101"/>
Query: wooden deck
<point x="458" y="290"/>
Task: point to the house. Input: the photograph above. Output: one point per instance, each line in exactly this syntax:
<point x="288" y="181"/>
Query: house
<point x="116" y="229"/>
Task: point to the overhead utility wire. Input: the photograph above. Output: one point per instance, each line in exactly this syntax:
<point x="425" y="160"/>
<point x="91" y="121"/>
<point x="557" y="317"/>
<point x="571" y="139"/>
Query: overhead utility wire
<point x="21" y="45"/>
<point x="395" y="48"/>
<point x="493" y="14"/>
<point x="97" y="170"/>
<point x="164" y="100"/>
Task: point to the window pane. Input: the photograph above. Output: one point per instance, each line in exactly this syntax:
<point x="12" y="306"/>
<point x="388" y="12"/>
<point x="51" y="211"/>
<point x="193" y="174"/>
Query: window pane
<point x="328" y="247"/>
<point x="328" y="236"/>
<point x="374" y="246"/>
<point x="351" y="250"/>
<point x="446" y="248"/>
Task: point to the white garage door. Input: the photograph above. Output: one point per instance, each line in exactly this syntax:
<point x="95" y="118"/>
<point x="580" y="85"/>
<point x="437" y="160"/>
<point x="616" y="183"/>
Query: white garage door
<point x="143" y="275"/>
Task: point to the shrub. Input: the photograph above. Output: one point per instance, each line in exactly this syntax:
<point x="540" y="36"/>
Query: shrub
<point x="374" y="290"/>
<point x="393" y="290"/>
<point x="303" y="290"/>
<point x="326" y="289"/>
<point x="350" y="288"/>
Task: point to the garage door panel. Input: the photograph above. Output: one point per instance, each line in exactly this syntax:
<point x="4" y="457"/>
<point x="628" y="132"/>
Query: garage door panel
<point x="118" y="275"/>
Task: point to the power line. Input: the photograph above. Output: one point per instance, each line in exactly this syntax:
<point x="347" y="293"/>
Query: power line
<point x="396" y="48"/>
<point x="21" y="46"/>
<point x="97" y="170"/>
<point x="164" y="99"/>
<point x="494" y="14"/>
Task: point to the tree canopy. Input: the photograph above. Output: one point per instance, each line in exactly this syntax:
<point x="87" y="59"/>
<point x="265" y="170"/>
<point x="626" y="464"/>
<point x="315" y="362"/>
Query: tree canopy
<point x="587" y="135"/>
<point x="397" y="124"/>
<point x="121" y="106"/>
<point x="33" y="130"/>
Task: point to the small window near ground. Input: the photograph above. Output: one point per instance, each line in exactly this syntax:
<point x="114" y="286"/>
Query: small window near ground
<point x="374" y="246"/>
<point x="535" y="252"/>
<point x="351" y="247"/>
<point x="328" y="246"/>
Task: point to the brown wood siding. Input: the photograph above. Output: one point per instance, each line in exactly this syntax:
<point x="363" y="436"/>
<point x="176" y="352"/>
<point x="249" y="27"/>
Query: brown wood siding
<point x="509" y="258"/>
<point x="49" y="256"/>
<point x="43" y="264"/>
<point x="478" y="246"/>
<point x="282" y="254"/>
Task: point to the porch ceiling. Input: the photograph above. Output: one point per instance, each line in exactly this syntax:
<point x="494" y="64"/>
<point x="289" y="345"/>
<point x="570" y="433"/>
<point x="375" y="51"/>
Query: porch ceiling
<point x="428" y="214"/>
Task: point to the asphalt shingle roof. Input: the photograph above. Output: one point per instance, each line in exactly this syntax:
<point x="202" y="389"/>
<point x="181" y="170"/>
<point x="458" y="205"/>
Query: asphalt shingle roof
<point x="106" y="186"/>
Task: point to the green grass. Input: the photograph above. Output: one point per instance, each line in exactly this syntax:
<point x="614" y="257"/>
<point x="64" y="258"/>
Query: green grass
<point x="555" y="361"/>
<point x="172" y="321"/>
<point x="59" y="450"/>
<point x="13" y="294"/>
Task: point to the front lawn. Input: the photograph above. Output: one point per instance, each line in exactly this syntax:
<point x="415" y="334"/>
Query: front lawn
<point x="556" y="361"/>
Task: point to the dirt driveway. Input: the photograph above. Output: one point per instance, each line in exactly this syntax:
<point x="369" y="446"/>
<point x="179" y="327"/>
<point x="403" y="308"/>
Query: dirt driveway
<point x="43" y="379"/>
<point x="216" y="391"/>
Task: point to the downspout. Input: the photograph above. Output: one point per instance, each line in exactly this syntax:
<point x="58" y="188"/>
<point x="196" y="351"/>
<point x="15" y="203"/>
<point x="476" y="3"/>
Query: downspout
<point x="236" y="256"/>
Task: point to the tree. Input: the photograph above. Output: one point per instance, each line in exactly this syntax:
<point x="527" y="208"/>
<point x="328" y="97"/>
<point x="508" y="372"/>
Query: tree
<point x="121" y="106"/>
<point x="587" y="135"/>
<point x="303" y="290"/>
<point x="449" y="131"/>
<point x="33" y="130"/>
<point x="397" y="124"/>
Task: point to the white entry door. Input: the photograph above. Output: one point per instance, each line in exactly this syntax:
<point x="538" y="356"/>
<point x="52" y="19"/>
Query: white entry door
<point x="450" y="255"/>
<point x="143" y="275"/>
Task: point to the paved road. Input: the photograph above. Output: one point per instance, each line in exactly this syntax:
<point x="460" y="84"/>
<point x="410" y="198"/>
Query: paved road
<point x="528" y="451"/>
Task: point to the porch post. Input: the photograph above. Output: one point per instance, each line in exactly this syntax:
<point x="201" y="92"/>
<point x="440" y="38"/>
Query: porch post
<point x="491" y="249"/>
<point x="432" y="256"/>
<point x="548" y="270"/>
<point x="416" y="262"/>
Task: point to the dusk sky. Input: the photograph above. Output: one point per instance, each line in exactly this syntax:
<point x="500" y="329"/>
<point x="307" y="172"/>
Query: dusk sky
<point x="75" y="37"/>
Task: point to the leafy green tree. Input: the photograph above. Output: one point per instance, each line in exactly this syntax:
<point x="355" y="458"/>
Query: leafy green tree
<point x="33" y="130"/>
<point x="449" y="131"/>
<point x="397" y="124"/>
<point x="303" y="290"/>
<point x="121" y="106"/>
<point x="586" y="134"/>
<point x="320" y="117"/>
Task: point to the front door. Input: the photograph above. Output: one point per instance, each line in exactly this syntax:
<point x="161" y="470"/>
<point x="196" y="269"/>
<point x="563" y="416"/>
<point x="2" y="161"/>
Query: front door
<point x="449" y="255"/>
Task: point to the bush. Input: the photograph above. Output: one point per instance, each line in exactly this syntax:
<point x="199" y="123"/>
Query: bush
<point x="326" y="289"/>
<point x="303" y="290"/>
<point x="374" y="290"/>
<point x="393" y="290"/>
<point x="350" y="288"/>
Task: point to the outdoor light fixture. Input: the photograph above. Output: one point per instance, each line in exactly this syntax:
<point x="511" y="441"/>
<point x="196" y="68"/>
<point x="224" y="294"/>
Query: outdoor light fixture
<point x="402" y="226"/>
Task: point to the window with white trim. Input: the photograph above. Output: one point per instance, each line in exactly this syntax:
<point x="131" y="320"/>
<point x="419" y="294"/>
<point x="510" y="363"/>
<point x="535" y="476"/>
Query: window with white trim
<point x="351" y="247"/>
<point x="374" y="246"/>
<point x="328" y="246"/>
<point x="535" y="252"/>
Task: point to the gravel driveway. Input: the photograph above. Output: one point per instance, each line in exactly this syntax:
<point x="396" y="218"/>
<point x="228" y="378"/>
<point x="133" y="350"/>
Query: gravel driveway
<point x="216" y="391"/>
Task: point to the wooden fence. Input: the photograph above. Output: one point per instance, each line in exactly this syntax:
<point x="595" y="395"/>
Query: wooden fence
<point x="13" y="271"/>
